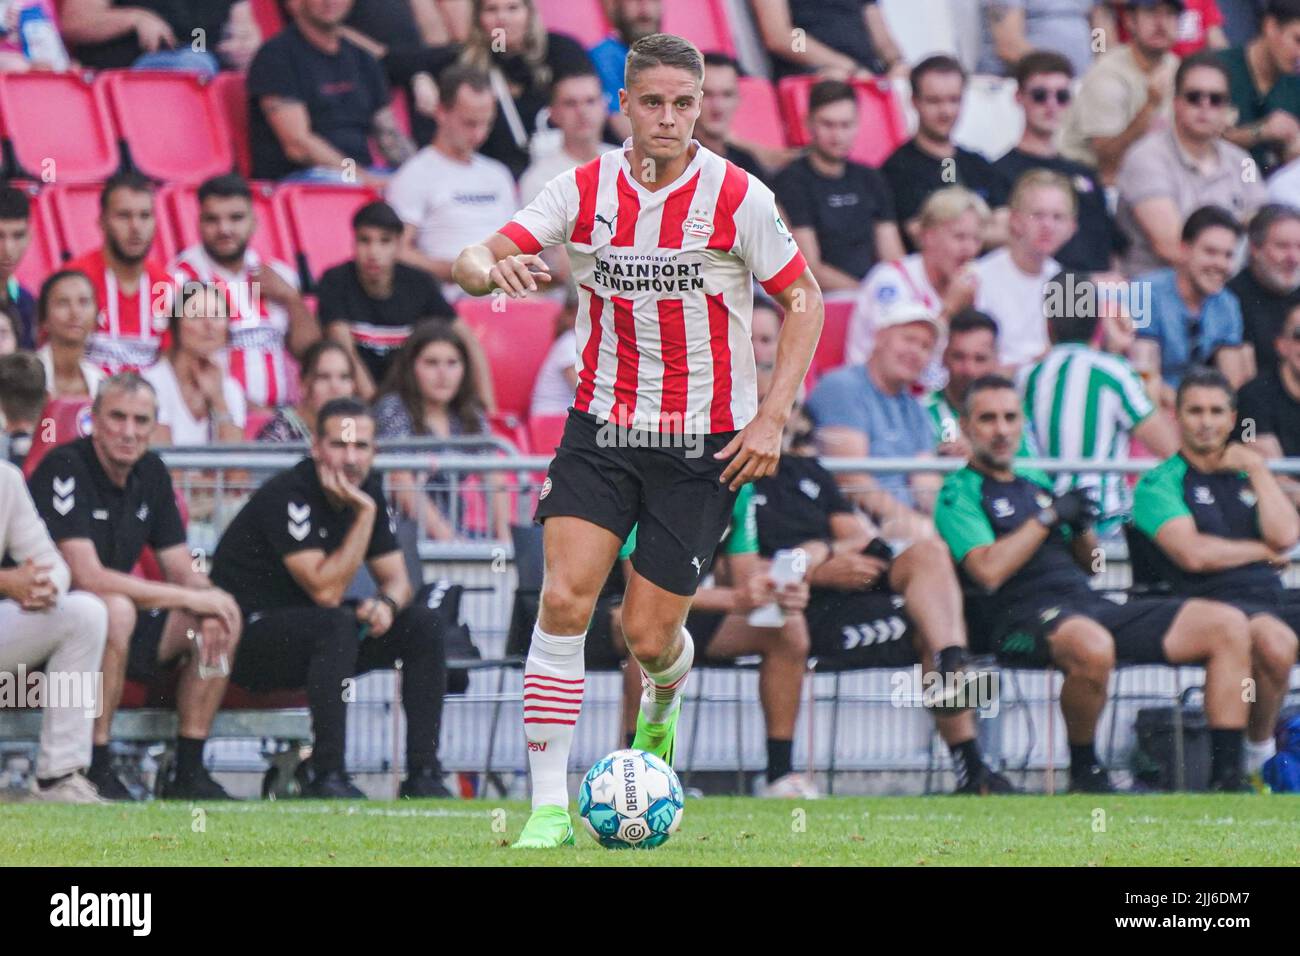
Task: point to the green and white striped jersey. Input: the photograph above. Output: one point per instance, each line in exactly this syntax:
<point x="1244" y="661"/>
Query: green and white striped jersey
<point x="946" y="427"/>
<point x="1081" y="402"/>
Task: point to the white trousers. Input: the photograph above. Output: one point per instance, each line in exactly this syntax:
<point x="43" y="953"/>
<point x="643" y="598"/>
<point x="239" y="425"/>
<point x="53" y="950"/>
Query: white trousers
<point x="69" y="640"/>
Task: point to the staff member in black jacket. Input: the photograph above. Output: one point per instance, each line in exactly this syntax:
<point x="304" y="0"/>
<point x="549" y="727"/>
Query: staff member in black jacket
<point x="288" y="558"/>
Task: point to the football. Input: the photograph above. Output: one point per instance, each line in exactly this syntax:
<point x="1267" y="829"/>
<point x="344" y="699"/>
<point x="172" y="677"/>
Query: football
<point x="631" y="799"/>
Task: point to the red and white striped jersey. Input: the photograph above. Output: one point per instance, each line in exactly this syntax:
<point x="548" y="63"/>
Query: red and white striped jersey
<point x="258" y="355"/>
<point x="130" y="328"/>
<point x="665" y="294"/>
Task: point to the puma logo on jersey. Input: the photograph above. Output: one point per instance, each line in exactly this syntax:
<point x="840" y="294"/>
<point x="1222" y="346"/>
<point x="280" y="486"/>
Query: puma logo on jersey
<point x="609" y="223"/>
<point x="63" y="494"/>
<point x="697" y="564"/>
<point x="143" y="512"/>
<point x="299" y="521"/>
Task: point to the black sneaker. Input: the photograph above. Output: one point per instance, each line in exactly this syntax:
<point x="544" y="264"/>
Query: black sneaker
<point x="331" y="785"/>
<point x="1238" y="783"/>
<point x="986" y="783"/>
<point x="109" y="785"/>
<point x="1091" y="779"/>
<point x="423" y="784"/>
<point x="196" y="785"/>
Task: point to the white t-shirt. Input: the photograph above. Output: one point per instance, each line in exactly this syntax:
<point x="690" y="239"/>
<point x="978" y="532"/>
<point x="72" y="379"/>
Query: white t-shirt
<point x="1284" y="185"/>
<point x="546" y="167"/>
<point x="175" y="414"/>
<point x="1015" y="301"/>
<point x="452" y="204"/>
<point x="91" y="373"/>
<point x="552" y="393"/>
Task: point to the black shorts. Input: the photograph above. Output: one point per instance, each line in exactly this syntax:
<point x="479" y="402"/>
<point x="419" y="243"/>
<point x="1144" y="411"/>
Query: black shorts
<point x="1281" y="603"/>
<point x="1138" y="627"/>
<point x="615" y="478"/>
<point x="860" y="628"/>
<point x="142" y="663"/>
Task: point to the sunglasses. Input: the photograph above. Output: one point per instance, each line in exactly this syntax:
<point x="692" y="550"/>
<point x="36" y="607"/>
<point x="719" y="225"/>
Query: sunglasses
<point x="1041" y="96"/>
<point x="1197" y="97"/>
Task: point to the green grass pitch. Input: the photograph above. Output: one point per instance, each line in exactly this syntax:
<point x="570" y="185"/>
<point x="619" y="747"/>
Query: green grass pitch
<point x="1177" y="830"/>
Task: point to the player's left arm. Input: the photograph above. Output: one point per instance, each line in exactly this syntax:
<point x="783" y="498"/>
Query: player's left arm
<point x="755" y="451"/>
<point x="1279" y="524"/>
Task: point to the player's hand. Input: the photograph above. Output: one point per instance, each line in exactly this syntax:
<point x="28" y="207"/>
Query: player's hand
<point x="756" y="592"/>
<point x="1279" y="127"/>
<point x="792" y="597"/>
<point x="215" y="603"/>
<point x="1279" y="560"/>
<point x="1076" y="510"/>
<point x="271" y="284"/>
<point x="215" y="642"/>
<point x="851" y="572"/>
<point x="340" y="489"/>
<point x="1237" y="457"/>
<point x="153" y="32"/>
<point x="30" y="585"/>
<point x="756" y="449"/>
<point x="377" y="614"/>
<point x="518" y="275"/>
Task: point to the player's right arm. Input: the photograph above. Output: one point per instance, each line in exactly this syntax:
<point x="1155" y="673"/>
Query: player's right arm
<point x="989" y="561"/>
<point x="497" y="263"/>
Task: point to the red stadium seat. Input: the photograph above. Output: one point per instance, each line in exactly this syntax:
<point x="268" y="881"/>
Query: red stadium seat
<point x="516" y="341"/>
<point x="71" y="419"/>
<point x="178" y="207"/>
<point x="230" y="97"/>
<point x="174" y="130"/>
<point x="267" y="15"/>
<point x="317" y="220"/>
<point x="57" y="127"/>
<point x="545" y="432"/>
<point x="830" y="347"/>
<point x="42" y="256"/>
<point x="508" y="426"/>
<point x="881" y="125"/>
<point x="703" y="22"/>
<point x="758" y="119"/>
<point x="584" y="20"/>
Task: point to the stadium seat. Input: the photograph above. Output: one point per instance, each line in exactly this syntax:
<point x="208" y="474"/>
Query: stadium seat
<point x="830" y="347"/>
<point x="507" y="425"/>
<point x="230" y="97"/>
<point x="584" y="20"/>
<point x="758" y="119"/>
<point x="703" y="22"/>
<point x="56" y="127"/>
<point x="171" y="128"/>
<point x="178" y="208"/>
<point x="516" y="341"/>
<point x="990" y="122"/>
<point x="316" y="221"/>
<point x="42" y="256"/>
<point x="881" y="125"/>
<point x="71" y="419"/>
<point x="545" y="432"/>
<point x="267" y="15"/>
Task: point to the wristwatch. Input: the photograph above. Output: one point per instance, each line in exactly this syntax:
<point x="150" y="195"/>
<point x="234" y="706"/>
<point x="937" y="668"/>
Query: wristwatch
<point x="390" y="601"/>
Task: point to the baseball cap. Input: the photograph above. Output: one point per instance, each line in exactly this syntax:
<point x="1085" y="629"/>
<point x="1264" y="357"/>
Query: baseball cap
<point x="904" y="313"/>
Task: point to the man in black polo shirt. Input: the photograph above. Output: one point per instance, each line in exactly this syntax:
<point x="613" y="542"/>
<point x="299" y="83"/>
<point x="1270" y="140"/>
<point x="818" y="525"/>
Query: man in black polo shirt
<point x="1218" y="515"/>
<point x="315" y="98"/>
<point x="840" y="212"/>
<point x="931" y="160"/>
<point x="1268" y="408"/>
<point x="289" y="556"/>
<point x="868" y="608"/>
<point x="1026" y="550"/>
<point x="371" y="303"/>
<point x="104" y="499"/>
<point x="1269" y="285"/>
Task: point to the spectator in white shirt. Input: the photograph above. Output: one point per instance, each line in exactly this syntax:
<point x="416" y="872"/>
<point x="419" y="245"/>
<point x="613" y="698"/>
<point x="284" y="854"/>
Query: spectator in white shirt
<point x="66" y="314"/>
<point x="1011" y="279"/>
<point x="198" y="403"/>
<point x="558" y="377"/>
<point x="448" y="195"/>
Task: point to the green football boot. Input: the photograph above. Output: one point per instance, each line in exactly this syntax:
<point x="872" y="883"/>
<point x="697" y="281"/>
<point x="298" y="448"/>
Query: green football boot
<point x="658" y="739"/>
<point x="547" y="826"/>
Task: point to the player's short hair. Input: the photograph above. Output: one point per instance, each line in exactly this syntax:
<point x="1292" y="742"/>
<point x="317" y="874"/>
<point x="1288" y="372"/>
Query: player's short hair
<point x="457" y="75"/>
<point x="14" y="204"/>
<point x="985" y="383"/>
<point x="124" y="382"/>
<point x="939" y="63"/>
<point x="1281" y="12"/>
<point x="341" y="408"/>
<point x="826" y="92"/>
<point x="1210" y="217"/>
<point x="378" y="215"/>
<point x="972" y="320"/>
<point x="50" y="283"/>
<point x="1268" y="216"/>
<point x="1033" y="179"/>
<point x="1040" y="63"/>
<point x="1205" y="377"/>
<point x="1068" y="324"/>
<point x="22" y="386"/>
<point x="226" y="186"/>
<point x="129" y="181"/>
<point x="582" y="74"/>
<point x="1202" y="60"/>
<point x="662" y="49"/>
<point x="949" y="203"/>
<point x="714" y="58"/>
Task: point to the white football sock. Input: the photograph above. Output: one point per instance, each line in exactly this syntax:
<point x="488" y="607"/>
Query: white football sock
<point x="660" y="690"/>
<point x="553" y="679"/>
<point x="1259" y="753"/>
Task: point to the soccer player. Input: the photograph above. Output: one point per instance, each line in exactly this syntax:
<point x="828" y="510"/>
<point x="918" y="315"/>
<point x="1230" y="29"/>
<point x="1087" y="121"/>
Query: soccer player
<point x="1218" y="514"/>
<point x="1025" y="550"/>
<point x="664" y="238"/>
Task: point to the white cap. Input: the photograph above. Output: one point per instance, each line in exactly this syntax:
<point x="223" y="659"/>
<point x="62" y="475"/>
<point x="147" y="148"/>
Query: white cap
<point x="904" y="313"/>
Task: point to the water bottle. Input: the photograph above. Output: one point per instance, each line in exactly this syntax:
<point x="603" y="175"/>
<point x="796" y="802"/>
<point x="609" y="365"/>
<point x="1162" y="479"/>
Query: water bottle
<point x="41" y="40"/>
